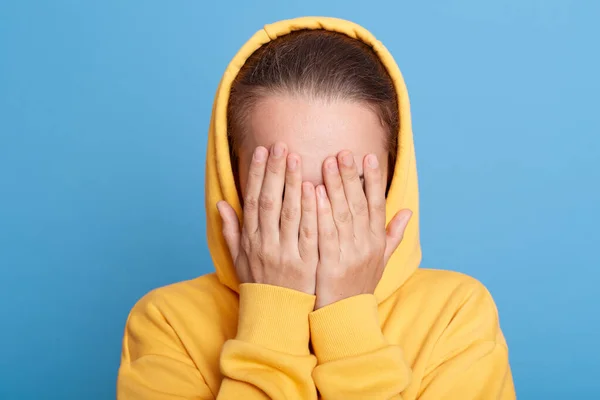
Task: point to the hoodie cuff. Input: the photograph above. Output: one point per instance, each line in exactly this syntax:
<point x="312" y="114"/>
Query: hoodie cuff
<point x="275" y="318"/>
<point x="346" y="328"/>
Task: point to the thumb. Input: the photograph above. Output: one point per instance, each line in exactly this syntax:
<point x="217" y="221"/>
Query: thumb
<point x="395" y="232"/>
<point x="231" y="228"/>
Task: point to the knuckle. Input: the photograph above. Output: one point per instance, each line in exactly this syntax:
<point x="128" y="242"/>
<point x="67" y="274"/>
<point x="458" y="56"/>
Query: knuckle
<point x="324" y="210"/>
<point x="289" y="213"/>
<point x="266" y="202"/>
<point x="307" y="233"/>
<point x="329" y="234"/>
<point x="292" y="178"/>
<point x="375" y="175"/>
<point x="352" y="175"/>
<point x="256" y="171"/>
<point x="308" y="206"/>
<point x="361" y="208"/>
<point x="337" y="187"/>
<point x="379" y="206"/>
<point x="274" y="167"/>
<point x="250" y="203"/>
<point x="343" y="217"/>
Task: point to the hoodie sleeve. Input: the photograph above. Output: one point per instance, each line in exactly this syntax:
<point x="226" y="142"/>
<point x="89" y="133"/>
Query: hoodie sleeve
<point x="268" y="359"/>
<point x="355" y="361"/>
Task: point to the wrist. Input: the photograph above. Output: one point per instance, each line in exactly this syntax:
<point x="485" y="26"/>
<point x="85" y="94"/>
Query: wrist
<point x="346" y="328"/>
<point x="329" y="297"/>
<point x="275" y="317"/>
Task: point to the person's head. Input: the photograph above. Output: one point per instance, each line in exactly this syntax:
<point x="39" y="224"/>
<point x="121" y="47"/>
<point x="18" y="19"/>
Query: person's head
<point x="319" y="92"/>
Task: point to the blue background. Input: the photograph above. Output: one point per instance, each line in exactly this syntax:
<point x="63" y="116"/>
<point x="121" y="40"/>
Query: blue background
<point x="104" y="108"/>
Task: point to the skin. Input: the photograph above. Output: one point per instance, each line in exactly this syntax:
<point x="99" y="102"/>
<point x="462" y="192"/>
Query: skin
<point x="313" y="175"/>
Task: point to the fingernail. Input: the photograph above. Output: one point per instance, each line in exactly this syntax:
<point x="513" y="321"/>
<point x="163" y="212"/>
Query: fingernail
<point x="220" y="207"/>
<point x="260" y="154"/>
<point x="332" y="165"/>
<point x="292" y="163"/>
<point x="400" y="224"/>
<point x="347" y="159"/>
<point x="406" y="218"/>
<point x="278" y="150"/>
<point x="372" y="161"/>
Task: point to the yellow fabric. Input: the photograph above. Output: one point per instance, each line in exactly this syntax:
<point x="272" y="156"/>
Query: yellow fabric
<point x="424" y="334"/>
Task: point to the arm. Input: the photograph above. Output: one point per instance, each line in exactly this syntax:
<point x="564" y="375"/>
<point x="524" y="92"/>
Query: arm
<point x="154" y="364"/>
<point x="268" y="359"/>
<point x="275" y="256"/>
<point x="274" y="253"/>
<point x="270" y="354"/>
<point x="469" y="361"/>
<point x="355" y="361"/>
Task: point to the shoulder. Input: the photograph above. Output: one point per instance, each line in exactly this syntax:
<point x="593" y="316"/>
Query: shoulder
<point x="202" y="304"/>
<point x="183" y="324"/>
<point x="449" y="283"/>
<point x="459" y="300"/>
<point x="199" y="293"/>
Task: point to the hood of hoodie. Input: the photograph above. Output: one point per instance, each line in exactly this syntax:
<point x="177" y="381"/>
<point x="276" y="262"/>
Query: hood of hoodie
<point x="220" y="182"/>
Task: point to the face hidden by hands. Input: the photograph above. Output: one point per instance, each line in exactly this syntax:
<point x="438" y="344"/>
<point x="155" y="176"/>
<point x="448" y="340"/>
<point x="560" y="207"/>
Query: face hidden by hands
<point x="309" y="223"/>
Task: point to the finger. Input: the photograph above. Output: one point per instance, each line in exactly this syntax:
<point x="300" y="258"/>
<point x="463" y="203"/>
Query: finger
<point x="375" y="190"/>
<point x="395" y="232"/>
<point x="355" y="195"/>
<point x="290" y="211"/>
<point x="342" y="217"/>
<point x="256" y="175"/>
<point x="271" y="194"/>
<point x="231" y="228"/>
<point x="328" y="240"/>
<point x="307" y="242"/>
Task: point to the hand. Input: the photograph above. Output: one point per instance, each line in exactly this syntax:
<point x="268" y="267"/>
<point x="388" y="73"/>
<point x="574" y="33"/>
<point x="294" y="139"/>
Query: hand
<point x="277" y="244"/>
<point x="354" y="245"/>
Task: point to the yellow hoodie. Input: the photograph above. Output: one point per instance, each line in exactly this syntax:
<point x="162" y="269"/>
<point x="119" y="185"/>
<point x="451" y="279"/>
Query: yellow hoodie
<point x="424" y="334"/>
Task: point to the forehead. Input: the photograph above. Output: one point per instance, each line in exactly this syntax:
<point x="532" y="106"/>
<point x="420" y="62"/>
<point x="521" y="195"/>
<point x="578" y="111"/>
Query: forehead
<point x="315" y="129"/>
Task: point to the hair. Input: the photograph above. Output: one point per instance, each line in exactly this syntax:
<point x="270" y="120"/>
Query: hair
<point x="317" y="64"/>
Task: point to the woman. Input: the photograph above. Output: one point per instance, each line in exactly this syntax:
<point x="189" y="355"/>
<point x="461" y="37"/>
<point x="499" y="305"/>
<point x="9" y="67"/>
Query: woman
<point x="316" y="291"/>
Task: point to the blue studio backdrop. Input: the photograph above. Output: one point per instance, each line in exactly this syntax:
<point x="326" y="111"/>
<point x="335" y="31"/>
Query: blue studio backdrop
<point x="104" y="109"/>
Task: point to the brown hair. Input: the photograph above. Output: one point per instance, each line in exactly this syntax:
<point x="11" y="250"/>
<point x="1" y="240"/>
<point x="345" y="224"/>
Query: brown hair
<point x="315" y="63"/>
